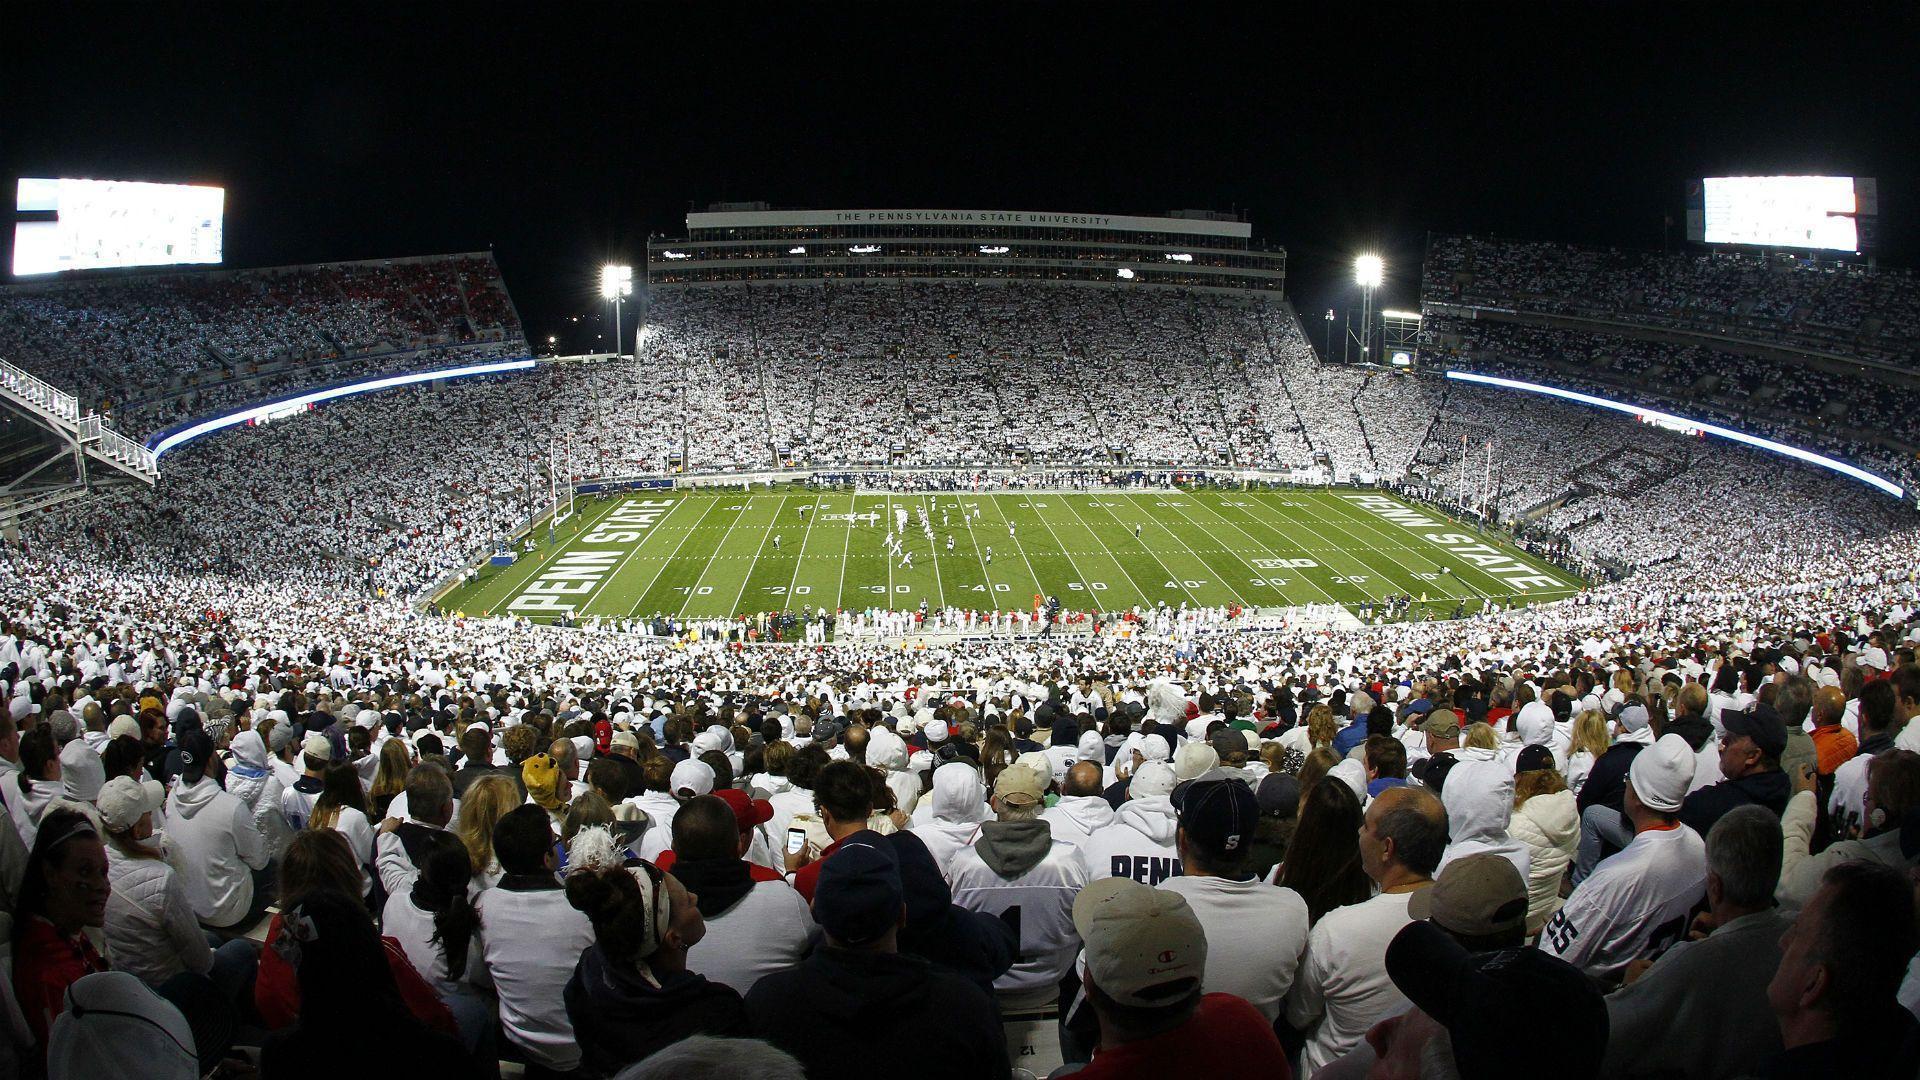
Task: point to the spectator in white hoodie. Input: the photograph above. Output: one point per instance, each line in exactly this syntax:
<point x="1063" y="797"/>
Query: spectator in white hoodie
<point x="1082" y="809"/>
<point x="215" y="834"/>
<point x="252" y="779"/>
<point x="888" y="753"/>
<point x="1139" y="843"/>
<point x="959" y="804"/>
<point x="1479" y="799"/>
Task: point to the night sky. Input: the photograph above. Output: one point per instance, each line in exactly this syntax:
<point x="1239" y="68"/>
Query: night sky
<point x="561" y="135"/>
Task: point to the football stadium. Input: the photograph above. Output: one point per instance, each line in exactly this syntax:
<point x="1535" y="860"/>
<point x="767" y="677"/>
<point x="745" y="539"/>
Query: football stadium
<point x="820" y="563"/>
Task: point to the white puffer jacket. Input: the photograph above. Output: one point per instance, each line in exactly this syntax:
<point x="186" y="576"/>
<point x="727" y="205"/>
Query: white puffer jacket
<point x="150" y="928"/>
<point x="1550" y="827"/>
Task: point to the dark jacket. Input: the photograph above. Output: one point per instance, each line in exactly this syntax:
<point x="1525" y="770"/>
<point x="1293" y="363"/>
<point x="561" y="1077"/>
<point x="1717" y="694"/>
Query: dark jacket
<point x="1879" y="1049"/>
<point x="1770" y="789"/>
<point x="619" y="1017"/>
<point x="854" y="1015"/>
<point x="1697" y="730"/>
<point x="970" y="944"/>
<point x="1607" y="782"/>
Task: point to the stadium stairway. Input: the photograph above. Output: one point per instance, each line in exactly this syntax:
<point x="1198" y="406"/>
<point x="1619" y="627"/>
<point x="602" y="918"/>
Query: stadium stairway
<point x="61" y="451"/>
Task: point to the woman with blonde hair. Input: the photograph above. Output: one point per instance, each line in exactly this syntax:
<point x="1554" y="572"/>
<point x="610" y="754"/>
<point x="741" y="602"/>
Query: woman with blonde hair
<point x="488" y="800"/>
<point x="1546" y="819"/>
<point x="390" y="778"/>
<point x="1590" y="739"/>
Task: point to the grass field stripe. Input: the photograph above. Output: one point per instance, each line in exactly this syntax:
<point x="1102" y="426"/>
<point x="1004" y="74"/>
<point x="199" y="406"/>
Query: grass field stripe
<point x="972" y="538"/>
<point x="766" y="537"/>
<point x="1362" y="518"/>
<point x="1199" y="500"/>
<point x="799" y="553"/>
<point x="935" y="544"/>
<point x="1238" y="598"/>
<point x="1086" y="583"/>
<point x="515" y="577"/>
<point x="1111" y="554"/>
<point x="1004" y="520"/>
<point x="1252" y="570"/>
<point x="886" y="522"/>
<point x="1105" y="503"/>
<point x="853" y="509"/>
<point x="1294" y="545"/>
<point x="587" y="604"/>
<point x="712" y="501"/>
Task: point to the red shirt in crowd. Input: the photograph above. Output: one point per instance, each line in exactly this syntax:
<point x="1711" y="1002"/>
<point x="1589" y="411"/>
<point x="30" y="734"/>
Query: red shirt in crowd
<point x="46" y="963"/>
<point x="276" y="990"/>
<point x="808" y="876"/>
<point x="1225" y="1039"/>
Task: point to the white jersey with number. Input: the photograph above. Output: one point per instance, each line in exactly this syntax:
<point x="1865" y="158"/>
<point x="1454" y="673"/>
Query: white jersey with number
<point x="1634" y="904"/>
<point x="1043" y="898"/>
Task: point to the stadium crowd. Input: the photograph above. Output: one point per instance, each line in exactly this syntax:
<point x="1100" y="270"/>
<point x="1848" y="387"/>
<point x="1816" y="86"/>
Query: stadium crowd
<point x="126" y="343"/>
<point x="256" y="798"/>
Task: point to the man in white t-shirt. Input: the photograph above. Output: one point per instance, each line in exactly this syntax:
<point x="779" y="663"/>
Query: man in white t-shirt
<point x="1257" y="931"/>
<point x="1637" y="900"/>
<point x="1342" y="988"/>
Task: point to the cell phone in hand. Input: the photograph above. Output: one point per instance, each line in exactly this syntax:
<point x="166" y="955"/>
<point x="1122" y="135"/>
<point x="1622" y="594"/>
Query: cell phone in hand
<point x="796" y="841"/>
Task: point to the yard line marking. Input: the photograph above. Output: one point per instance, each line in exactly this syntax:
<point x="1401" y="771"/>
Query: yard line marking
<point x="1004" y="520"/>
<point x="813" y="501"/>
<point x="554" y="551"/>
<point x="992" y="593"/>
<point x="1182" y="542"/>
<point x="712" y="501"/>
<point x="853" y="512"/>
<point x="1084" y="582"/>
<point x="935" y="544"/>
<point x="765" y="535"/>
<point x="1171" y="576"/>
<point x="1269" y="549"/>
<point x="702" y="576"/>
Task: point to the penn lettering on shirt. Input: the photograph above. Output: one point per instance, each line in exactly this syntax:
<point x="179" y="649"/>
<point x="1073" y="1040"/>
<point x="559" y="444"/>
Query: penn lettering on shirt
<point x="1146" y="869"/>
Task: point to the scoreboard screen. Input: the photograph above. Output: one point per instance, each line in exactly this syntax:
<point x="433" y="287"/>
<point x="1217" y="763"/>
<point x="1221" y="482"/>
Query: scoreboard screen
<point x="66" y="224"/>
<point x="1819" y="213"/>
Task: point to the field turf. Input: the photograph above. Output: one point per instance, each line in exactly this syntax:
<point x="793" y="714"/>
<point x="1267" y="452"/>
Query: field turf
<point x="711" y="552"/>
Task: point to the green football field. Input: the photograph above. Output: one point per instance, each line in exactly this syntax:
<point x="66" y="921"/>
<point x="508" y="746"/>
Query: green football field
<point x="715" y="553"/>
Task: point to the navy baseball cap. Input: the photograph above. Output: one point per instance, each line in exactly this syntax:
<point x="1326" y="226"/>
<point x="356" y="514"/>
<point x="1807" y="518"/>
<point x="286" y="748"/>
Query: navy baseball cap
<point x="1761" y="724"/>
<point x="1219" y="816"/>
<point x="1533" y="759"/>
<point x="196" y="749"/>
<point x="1476" y="995"/>
<point x="858" y="897"/>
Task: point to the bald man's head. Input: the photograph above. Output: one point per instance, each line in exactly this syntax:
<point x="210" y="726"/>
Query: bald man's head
<point x="1083" y="779"/>
<point x="1829" y="704"/>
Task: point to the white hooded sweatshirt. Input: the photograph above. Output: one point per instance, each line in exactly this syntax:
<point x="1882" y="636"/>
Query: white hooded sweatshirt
<point x="1075" y="818"/>
<point x="959" y="801"/>
<point x="253" y="781"/>
<point x="888" y="753"/>
<point x="213" y="832"/>
<point x="1137" y="844"/>
<point x="1479" y="799"/>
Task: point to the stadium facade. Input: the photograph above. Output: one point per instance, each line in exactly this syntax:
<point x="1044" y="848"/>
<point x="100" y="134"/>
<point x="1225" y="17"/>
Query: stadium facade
<point x="1192" y="249"/>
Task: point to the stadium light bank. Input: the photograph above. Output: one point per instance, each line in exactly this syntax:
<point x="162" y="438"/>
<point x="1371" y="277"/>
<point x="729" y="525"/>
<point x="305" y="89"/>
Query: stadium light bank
<point x="1688" y="425"/>
<point x="274" y="408"/>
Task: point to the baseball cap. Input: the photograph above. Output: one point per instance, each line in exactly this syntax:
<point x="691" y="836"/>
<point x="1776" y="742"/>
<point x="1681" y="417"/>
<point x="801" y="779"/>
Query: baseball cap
<point x="626" y="739"/>
<point x="1019" y="786"/>
<point x="748" y="811"/>
<point x="1661" y="773"/>
<point x="124" y="800"/>
<point x="935" y="731"/>
<point x="1759" y="723"/>
<point x="1153" y="778"/>
<point x="1441" y="723"/>
<point x="1633" y="717"/>
<point x="1219" y="815"/>
<point x="1279" y="795"/>
<point x="317" y="746"/>
<point x="1144" y="946"/>
<point x="1194" y="760"/>
<point x="691" y="775"/>
<point x="1476" y="995"/>
<point x="858" y="896"/>
<point x="196" y="749"/>
<point x="1533" y="758"/>
<point x="115" y="1025"/>
<point x="1476" y="896"/>
<point x="123" y="725"/>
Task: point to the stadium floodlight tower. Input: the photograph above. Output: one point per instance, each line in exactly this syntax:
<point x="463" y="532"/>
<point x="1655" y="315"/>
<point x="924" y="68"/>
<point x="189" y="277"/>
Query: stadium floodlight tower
<point x="616" y="282"/>
<point x="1368" y="272"/>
